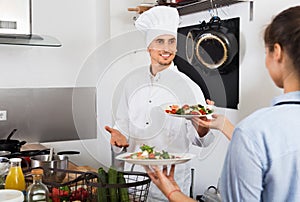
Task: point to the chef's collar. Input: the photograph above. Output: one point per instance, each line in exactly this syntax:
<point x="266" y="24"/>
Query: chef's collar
<point x="158" y="75"/>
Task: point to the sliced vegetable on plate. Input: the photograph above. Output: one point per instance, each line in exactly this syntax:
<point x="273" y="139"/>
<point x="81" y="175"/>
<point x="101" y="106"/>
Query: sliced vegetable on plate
<point x="149" y="156"/>
<point x="193" y="110"/>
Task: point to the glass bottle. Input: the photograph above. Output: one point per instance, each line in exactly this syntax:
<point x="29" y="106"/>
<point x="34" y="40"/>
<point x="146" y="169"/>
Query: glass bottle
<point x="15" y="178"/>
<point x="37" y="191"/>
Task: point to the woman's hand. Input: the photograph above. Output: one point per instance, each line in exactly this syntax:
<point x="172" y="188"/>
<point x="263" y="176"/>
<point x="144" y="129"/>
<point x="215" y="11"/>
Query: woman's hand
<point x="117" y="139"/>
<point x="166" y="183"/>
<point x="219" y="122"/>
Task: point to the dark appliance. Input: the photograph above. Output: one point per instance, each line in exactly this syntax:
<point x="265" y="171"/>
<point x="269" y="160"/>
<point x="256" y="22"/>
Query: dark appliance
<point x="209" y="54"/>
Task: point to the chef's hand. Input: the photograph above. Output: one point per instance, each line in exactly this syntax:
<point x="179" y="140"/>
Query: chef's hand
<point x="201" y="130"/>
<point x="117" y="139"/>
<point x="166" y="183"/>
<point x="219" y="122"/>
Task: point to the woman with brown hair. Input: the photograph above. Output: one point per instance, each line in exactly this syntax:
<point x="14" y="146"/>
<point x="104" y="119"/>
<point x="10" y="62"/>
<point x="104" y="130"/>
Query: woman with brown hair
<point x="263" y="158"/>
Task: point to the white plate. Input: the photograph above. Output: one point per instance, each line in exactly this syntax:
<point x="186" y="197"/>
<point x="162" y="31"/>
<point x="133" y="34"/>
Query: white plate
<point x="182" y="159"/>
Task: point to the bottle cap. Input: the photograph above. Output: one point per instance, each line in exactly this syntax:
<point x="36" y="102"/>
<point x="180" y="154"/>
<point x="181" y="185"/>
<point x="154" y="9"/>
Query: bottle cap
<point x="13" y="160"/>
<point x="37" y="171"/>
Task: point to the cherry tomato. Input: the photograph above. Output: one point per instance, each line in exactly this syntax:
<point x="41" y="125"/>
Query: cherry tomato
<point x="152" y="156"/>
<point x="202" y="111"/>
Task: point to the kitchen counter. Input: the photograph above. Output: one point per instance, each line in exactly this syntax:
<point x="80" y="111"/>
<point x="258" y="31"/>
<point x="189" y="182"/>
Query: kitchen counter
<point x="33" y="146"/>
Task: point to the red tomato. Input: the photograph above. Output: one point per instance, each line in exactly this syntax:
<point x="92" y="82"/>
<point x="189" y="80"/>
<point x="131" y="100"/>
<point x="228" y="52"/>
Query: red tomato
<point x="174" y="111"/>
<point x="58" y="194"/>
<point x="80" y="194"/>
<point x="151" y="156"/>
<point x="202" y="111"/>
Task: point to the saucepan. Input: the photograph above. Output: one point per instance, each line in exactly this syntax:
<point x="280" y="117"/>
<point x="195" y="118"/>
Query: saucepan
<point x="25" y="155"/>
<point x="212" y="46"/>
<point x="50" y="164"/>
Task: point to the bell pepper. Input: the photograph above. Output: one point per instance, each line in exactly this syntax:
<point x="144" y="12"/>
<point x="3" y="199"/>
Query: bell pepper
<point x="60" y="194"/>
<point x="80" y="194"/>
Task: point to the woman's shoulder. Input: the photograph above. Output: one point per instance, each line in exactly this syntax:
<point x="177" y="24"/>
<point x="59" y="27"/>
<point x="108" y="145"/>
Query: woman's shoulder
<point x="259" y="119"/>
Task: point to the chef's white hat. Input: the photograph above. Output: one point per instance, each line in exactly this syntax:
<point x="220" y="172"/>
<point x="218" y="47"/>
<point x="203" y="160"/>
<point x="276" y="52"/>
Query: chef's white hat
<point x="157" y="21"/>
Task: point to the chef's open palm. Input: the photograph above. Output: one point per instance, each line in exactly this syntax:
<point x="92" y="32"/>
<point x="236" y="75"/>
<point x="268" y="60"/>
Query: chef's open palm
<point x="117" y="139"/>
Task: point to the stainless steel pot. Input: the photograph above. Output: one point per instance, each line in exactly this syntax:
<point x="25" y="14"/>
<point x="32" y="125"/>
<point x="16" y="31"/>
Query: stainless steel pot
<point x="50" y="166"/>
<point x="54" y="169"/>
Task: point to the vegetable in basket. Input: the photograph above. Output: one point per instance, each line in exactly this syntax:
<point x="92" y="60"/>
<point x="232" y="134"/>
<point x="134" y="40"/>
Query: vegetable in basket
<point x="114" y="194"/>
<point x="60" y="194"/>
<point x="80" y="194"/>
<point x="102" y="192"/>
<point x="123" y="192"/>
<point x="113" y="179"/>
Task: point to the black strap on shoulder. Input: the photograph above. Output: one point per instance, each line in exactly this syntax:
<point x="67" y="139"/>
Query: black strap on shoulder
<point x="288" y="102"/>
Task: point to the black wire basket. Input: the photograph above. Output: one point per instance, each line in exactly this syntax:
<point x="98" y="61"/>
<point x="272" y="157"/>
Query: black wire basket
<point x="131" y="187"/>
<point x="72" y="188"/>
<point x="89" y="186"/>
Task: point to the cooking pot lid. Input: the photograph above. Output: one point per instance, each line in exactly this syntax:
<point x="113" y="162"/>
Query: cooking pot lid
<point x="189" y="47"/>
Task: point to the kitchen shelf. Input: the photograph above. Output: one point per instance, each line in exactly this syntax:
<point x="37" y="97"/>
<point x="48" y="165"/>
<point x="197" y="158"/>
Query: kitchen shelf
<point x="202" y="5"/>
<point x="30" y="40"/>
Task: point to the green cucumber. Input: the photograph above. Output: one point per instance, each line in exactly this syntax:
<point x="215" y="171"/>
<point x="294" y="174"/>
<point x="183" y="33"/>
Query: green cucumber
<point x="102" y="192"/>
<point x="123" y="192"/>
<point x="113" y="180"/>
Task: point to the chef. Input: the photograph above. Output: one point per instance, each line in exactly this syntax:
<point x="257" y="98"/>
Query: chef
<point x="140" y="118"/>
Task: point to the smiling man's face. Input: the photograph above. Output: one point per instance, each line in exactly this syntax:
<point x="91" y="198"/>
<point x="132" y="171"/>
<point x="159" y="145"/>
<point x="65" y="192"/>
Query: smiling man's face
<point x="162" y="50"/>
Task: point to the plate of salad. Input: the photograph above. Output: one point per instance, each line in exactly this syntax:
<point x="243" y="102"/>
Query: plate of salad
<point x="149" y="156"/>
<point x="189" y="111"/>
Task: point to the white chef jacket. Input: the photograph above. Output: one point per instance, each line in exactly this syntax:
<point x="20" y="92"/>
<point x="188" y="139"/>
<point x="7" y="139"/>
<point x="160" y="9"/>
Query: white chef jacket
<point x="140" y="116"/>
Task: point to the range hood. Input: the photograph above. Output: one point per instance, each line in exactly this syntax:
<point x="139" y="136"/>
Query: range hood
<point x="16" y="25"/>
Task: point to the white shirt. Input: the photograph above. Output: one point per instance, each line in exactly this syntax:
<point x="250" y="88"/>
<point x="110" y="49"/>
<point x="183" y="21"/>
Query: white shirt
<point x="140" y="115"/>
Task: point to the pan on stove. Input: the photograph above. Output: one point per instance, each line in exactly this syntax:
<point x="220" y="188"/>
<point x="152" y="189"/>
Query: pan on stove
<point x="11" y="145"/>
<point x="211" y="46"/>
